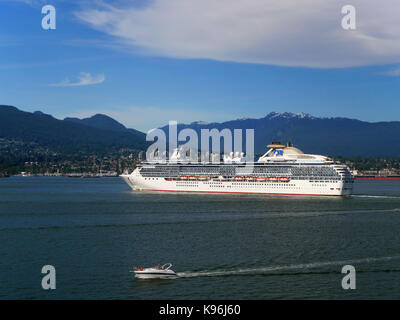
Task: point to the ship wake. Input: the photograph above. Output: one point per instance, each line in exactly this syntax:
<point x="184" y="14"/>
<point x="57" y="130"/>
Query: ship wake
<point x="282" y="268"/>
<point x="375" y="196"/>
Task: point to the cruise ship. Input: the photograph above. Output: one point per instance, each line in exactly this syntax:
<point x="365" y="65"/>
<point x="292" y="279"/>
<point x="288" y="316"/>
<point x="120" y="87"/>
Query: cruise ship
<point x="282" y="170"/>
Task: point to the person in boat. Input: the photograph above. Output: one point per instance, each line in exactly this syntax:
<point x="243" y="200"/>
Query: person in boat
<point x="138" y="269"/>
<point x="158" y="266"/>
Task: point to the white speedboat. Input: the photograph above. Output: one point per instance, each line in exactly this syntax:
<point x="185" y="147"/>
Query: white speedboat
<point x="157" y="272"/>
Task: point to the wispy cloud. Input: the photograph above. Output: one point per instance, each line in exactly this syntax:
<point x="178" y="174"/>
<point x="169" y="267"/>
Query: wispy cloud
<point x="84" y="79"/>
<point x="393" y="73"/>
<point x="273" y="32"/>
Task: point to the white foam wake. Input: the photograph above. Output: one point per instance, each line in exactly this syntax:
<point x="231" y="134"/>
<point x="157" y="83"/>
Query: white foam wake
<point x="268" y="269"/>
<point x="375" y="196"/>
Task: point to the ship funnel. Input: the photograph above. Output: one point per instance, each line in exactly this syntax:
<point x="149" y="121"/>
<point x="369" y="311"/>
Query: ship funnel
<point x="276" y="145"/>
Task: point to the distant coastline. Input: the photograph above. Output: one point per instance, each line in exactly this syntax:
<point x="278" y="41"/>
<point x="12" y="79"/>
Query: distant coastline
<point x="39" y="144"/>
<point x="377" y="177"/>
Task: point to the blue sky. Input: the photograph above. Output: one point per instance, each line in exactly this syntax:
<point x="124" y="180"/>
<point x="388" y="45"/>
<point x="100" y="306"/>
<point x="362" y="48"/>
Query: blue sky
<point x="148" y="62"/>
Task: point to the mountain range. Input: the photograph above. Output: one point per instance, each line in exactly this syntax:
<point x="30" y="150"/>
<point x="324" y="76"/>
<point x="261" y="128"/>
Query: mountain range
<point x="100" y="133"/>
<point x="328" y="136"/>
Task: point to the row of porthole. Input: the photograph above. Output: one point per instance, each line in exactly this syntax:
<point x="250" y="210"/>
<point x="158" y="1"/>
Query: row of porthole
<point x="257" y="185"/>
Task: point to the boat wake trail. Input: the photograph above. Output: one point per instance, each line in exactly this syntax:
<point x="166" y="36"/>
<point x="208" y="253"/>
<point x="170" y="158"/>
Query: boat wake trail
<point x="274" y="269"/>
<point x="375" y="196"/>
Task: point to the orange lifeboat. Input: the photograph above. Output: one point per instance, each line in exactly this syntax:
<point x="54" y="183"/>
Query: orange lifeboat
<point x="250" y="178"/>
<point x="272" y="179"/>
<point x="183" y="177"/>
<point x="238" y="178"/>
<point x="203" y="178"/>
<point x="284" y="179"/>
<point x="192" y="178"/>
<point x="261" y="178"/>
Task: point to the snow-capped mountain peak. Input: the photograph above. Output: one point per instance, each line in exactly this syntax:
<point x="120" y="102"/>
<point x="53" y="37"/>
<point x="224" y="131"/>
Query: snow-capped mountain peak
<point x="288" y="115"/>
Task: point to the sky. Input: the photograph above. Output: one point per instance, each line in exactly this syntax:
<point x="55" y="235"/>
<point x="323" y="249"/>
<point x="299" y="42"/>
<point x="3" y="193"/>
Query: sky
<point x="145" y="62"/>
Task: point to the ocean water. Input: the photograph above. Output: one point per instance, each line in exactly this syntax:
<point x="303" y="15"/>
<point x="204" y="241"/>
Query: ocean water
<point x="223" y="246"/>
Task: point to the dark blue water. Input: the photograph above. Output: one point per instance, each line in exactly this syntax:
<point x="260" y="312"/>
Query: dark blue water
<point x="224" y="246"/>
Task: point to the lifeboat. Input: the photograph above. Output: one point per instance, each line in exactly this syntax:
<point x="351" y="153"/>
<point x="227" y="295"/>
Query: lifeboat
<point x="203" y="178"/>
<point x="250" y="178"/>
<point x="261" y="178"/>
<point x="183" y="177"/>
<point x="168" y="179"/>
<point x="192" y="178"/>
<point x="238" y="178"/>
<point x="284" y="179"/>
<point x="272" y="179"/>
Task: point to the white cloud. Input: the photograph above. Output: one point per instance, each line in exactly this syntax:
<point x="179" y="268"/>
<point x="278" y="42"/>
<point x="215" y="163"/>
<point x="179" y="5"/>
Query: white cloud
<point x="84" y="79"/>
<point x="393" y="73"/>
<point x="285" y="32"/>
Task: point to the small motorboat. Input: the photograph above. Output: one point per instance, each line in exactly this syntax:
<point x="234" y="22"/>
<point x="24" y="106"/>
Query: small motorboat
<point x="157" y="272"/>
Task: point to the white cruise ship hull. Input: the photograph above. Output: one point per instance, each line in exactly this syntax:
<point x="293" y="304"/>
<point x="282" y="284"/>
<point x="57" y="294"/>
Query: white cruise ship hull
<point x="282" y="170"/>
<point x="293" y="187"/>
